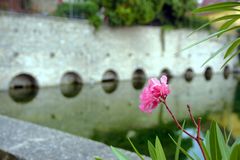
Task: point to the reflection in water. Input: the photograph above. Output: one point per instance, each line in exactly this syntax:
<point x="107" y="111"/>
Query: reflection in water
<point x="138" y="79"/>
<point x="110" y="81"/>
<point x="71" y="90"/>
<point x="93" y="113"/>
<point x="23" y="95"/>
<point x="110" y="86"/>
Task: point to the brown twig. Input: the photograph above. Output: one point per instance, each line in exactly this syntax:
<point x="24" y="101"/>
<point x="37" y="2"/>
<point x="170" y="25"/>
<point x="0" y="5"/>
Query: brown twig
<point x="198" y="126"/>
<point x="176" y="121"/>
<point x="191" y="116"/>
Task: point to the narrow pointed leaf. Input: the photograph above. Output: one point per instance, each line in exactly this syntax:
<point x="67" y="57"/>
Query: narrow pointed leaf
<point x="159" y="150"/>
<point x="227" y="17"/>
<point x="227" y="24"/>
<point x="225" y="150"/>
<point x="234" y="55"/>
<point x="209" y="37"/>
<point x="135" y="149"/>
<point x="215" y="54"/>
<point x="206" y="152"/>
<point x="119" y="154"/>
<point x="237" y="141"/>
<point x="217" y="7"/>
<point x="232" y="47"/>
<point x="183" y="150"/>
<point x="151" y="150"/>
<point x="228" y="137"/>
<point x="214" y="147"/>
<point x="207" y="140"/>
<point x="179" y="143"/>
<point x="235" y="154"/>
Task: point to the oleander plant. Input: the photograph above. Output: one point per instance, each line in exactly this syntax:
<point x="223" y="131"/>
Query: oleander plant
<point x="213" y="146"/>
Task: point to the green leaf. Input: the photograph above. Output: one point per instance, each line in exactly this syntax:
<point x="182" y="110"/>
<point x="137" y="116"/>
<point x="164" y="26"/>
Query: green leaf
<point x="119" y="154"/>
<point x="228" y="137"/>
<point x="207" y="140"/>
<point x="225" y="150"/>
<point x="215" y="54"/>
<point x="135" y="149"/>
<point x="206" y="151"/>
<point x="237" y="141"/>
<point x="224" y="6"/>
<point x="209" y="37"/>
<point x="98" y="158"/>
<point x="152" y="151"/>
<point x="234" y="55"/>
<point x="232" y="47"/>
<point x="218" y="147"/>
<point x="228" y="24"/>
<point x="159" y="150"/>
<point x="227" y="17"/>
<point x="183" y="150"/>
<point x="214" y="147"/>
<point x="235" y="154"/>
<point x="179" y="143"/>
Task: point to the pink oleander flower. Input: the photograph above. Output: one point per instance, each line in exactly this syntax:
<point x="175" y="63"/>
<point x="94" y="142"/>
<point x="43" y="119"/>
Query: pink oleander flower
<point x="154" y="93"/>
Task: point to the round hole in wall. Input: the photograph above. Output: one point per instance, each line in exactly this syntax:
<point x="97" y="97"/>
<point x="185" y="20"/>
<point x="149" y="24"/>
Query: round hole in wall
<point x="71" y="77"/>
<point x="189" y="75"/>
<point x="108" y="55"/>
<point x="52" y="55"/>
<point x="23" y="88"/>
<point x="70" y="90"/>
<point x="138" y="79"/>
<point x="110" y="81"/>
<point x="15" y="54"/>
<point x="226" y="72"/>
<point x="23" y="81"/>
<point x="208" y="73"/>
<point x="71" y="84"/>
<point x="167" y="73"/>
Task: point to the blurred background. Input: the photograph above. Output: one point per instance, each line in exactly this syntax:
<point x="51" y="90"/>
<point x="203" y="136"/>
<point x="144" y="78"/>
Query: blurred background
<point x="79" y="66"/>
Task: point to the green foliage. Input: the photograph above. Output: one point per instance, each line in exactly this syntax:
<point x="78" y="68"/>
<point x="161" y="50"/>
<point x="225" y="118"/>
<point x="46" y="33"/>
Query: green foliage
<point x="88" y="9"/>
<point x="95" y="21"/>
<point x="215" y="147"/>
<point x="119" y="154"/>
<point x="230" y="19"/>
<point x="133" y="12"/>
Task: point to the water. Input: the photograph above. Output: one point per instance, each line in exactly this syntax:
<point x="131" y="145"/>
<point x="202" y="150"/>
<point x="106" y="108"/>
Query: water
<point x="109" y="113"/>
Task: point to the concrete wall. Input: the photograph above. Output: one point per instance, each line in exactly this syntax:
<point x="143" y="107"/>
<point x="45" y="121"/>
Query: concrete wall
<point x="93" y="110"/>
<point x="46" y="48"/>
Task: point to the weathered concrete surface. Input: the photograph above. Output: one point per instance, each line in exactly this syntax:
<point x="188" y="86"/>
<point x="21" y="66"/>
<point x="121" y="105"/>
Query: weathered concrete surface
<point x="48" y="47"/>
<point x="32" y="142"/>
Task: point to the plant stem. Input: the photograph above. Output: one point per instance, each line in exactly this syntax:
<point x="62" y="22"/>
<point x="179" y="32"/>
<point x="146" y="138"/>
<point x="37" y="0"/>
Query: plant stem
<point x="199" y="141"/>
<point x="176" y="121"/>
<point x="197" y="138"/>
<point x="191" y="116"/>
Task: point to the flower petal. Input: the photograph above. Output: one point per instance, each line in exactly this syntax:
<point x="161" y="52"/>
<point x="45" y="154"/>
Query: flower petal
<point x="163" y="79"/>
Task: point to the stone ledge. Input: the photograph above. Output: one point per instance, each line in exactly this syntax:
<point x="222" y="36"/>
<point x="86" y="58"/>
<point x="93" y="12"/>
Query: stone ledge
<point x="32" y="142"/>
